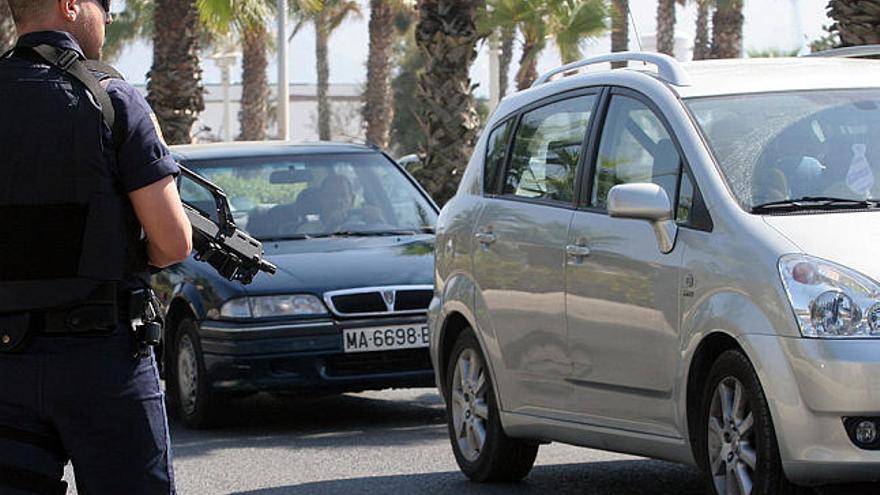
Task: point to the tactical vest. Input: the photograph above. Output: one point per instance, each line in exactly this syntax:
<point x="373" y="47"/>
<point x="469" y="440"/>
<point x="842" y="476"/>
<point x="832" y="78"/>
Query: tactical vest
<point x="67" y="228"/>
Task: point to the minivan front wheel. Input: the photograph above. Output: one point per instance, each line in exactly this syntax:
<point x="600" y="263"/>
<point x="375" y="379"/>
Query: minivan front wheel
<point x="482" y="449"/>
<point x="736" y="440"/>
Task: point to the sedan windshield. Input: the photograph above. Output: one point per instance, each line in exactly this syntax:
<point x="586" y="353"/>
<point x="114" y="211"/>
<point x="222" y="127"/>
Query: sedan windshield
<point x="796" y="150"/>
<point x="300" y="197"/>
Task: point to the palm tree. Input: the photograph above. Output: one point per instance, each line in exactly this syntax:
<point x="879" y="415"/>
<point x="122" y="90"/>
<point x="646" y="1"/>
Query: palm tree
<point x="619" y="28"/>
<point x="249" y="18"/>
<point x="572" y="21"/>
<point x="529" y="17"/>
<point x="666" y="26"/>
<point x="325" y="16"/>
<point x="857" y="21"/>
<point x="7" y="27"/>
<point x="388" y="20"/>
<point x="508" y="36"/>
<point x="701" y="38"/>
<point x="447" y="35"/>
<point x="727" y="29"/>
<point x="174" y="82"/>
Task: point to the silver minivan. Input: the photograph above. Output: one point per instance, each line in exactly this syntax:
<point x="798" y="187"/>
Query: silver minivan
<point x="671" y="260"/>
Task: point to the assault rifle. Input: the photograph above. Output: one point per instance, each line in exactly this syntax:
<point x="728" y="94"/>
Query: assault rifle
<point x="216" y="239"/>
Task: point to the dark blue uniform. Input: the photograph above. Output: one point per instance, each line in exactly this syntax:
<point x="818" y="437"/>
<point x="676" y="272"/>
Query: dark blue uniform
<point x="86" y="399"/>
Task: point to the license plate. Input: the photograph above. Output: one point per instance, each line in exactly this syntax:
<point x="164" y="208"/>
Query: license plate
<point x="386" y="338"/>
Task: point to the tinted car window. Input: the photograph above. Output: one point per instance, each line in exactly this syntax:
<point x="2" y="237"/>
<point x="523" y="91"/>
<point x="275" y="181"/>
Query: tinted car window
<point x="547" y="149"/>
<point x="635" y="147"/>
<point x="293" y="196"/>
<point x="685" y="200"/>
<point x="496" y="153"/>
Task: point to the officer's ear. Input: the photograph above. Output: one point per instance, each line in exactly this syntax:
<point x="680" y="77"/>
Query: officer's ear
<point x="68" y="9"/>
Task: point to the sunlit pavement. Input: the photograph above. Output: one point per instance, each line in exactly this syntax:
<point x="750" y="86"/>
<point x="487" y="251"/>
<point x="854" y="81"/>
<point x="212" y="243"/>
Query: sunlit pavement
<point x="391" y="442"/>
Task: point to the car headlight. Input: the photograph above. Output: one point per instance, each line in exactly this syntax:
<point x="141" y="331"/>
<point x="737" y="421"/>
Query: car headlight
<point x="236" y="308"/>
<point x="268" y="306"/>
<point x="830" y="300"/>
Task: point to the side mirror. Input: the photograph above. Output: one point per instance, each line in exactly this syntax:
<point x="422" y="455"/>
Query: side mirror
<point x="645" y="201"/>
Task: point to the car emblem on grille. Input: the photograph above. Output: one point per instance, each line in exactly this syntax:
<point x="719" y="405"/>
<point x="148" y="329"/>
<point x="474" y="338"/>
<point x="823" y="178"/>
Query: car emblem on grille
<point x="389" y="296"/>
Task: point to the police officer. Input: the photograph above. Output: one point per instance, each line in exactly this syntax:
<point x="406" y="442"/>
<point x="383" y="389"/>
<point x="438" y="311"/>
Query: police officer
<point x="87" y="203"/>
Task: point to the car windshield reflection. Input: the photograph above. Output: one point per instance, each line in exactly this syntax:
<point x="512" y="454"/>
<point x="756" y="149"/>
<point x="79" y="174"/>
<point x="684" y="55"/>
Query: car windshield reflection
<point x="307" y="197"/>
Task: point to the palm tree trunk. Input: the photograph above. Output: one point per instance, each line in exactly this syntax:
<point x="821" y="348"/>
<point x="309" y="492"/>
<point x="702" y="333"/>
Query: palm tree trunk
<point x="378" y="109"/>
<point x="727" y="30"/>
<point x="528" y="65"/>
<point x="666" y="27"/>
<point x="701" y="38"/>
<point x="619" y="29"/>
<point x="446" y="35"/>
<point x="504" y="60"/>
<point x="7" y="27"/>
<point x="858" y="22"/>
<point x="322" y="35"/>
<point x="254" y="114"/>
<point x="175" y="80"/>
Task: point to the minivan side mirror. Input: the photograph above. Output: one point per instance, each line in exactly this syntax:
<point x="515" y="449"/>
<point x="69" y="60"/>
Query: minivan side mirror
<point x="645" y="201"/>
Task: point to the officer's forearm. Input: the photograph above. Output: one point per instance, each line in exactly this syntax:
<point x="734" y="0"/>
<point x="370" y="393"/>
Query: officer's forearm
<point x="161" y="259"/>
<point x="168" y="231"/>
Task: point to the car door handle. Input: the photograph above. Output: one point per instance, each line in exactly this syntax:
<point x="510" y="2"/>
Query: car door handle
<point x="485" y="237"/>
<point x="577" y="251"/>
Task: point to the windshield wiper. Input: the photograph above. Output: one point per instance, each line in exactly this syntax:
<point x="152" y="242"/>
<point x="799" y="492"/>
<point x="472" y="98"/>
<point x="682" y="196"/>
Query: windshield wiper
<point x="814" y="203"/>
<point x="369" y="233"/>
<point x="291" y="237"/>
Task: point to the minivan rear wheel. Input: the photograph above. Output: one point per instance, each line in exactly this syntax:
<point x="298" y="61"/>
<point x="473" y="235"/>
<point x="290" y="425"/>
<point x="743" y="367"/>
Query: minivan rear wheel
<point x="482" y="449"/>
<point x="737" y="445"/>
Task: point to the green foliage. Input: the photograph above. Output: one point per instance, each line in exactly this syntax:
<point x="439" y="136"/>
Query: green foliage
<point x="773" y="53"/>
<point x="830" y="40"/>
<point x="220" y="15"/>
<point x="567" y="22"/>
<point x="405" y="129"/>
<point x="257" y="188"/>
<point x="572" y="21"/>
<point x="332" y="13"/>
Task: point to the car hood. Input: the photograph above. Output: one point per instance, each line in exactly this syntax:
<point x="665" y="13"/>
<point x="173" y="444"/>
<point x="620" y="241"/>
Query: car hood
<point x="846" y="238"/>
<point x="320" y="265"/>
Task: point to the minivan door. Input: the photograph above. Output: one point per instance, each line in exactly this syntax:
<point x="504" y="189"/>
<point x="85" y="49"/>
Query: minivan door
<point x="519" y="258"/>
<point x="621" y="291"/>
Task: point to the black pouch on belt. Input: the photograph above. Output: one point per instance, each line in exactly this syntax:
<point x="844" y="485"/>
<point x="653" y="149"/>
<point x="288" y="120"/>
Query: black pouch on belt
<point x="14" y="331"/>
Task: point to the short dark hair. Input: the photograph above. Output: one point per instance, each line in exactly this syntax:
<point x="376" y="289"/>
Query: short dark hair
<point x="28" y="10"/>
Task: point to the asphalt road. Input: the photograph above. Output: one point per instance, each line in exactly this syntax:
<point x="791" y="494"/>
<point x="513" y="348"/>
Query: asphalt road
<point x="391" y="442"/>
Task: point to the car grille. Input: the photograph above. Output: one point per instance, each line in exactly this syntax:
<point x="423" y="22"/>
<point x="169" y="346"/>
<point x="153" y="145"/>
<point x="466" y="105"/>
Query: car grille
<point x="375" y="301"/>
<point x="378" y="362"/>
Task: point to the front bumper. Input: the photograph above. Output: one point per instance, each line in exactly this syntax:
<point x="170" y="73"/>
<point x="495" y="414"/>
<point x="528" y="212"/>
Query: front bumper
<point x="306" y="357"/>
<point x="812" y="385"/>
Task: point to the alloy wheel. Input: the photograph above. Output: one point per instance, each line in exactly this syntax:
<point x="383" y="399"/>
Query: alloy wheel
<point x="732" y="452"/>
<point x="470" y="407"/>
<point x="187" y="374"/>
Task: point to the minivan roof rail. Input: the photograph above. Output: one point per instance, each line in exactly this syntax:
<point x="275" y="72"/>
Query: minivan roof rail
<point x="668" y="69"/>
<point x="849" y="52"/>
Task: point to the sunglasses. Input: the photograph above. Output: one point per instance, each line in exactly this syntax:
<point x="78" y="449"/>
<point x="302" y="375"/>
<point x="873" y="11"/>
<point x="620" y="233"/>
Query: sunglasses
<point x="105" y="4"/>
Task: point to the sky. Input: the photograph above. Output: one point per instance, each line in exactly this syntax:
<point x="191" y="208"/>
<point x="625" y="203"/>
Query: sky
<point x="769" y="24"/>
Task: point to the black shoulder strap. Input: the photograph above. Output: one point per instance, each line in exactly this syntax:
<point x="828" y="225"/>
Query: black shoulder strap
<point x="70" y="62"/>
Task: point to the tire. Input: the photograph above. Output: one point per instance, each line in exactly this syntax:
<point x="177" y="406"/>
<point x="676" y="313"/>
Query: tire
<point x="189" y="392"/>
<point x="471" y="408"/>
<point x="736" y="442"/>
